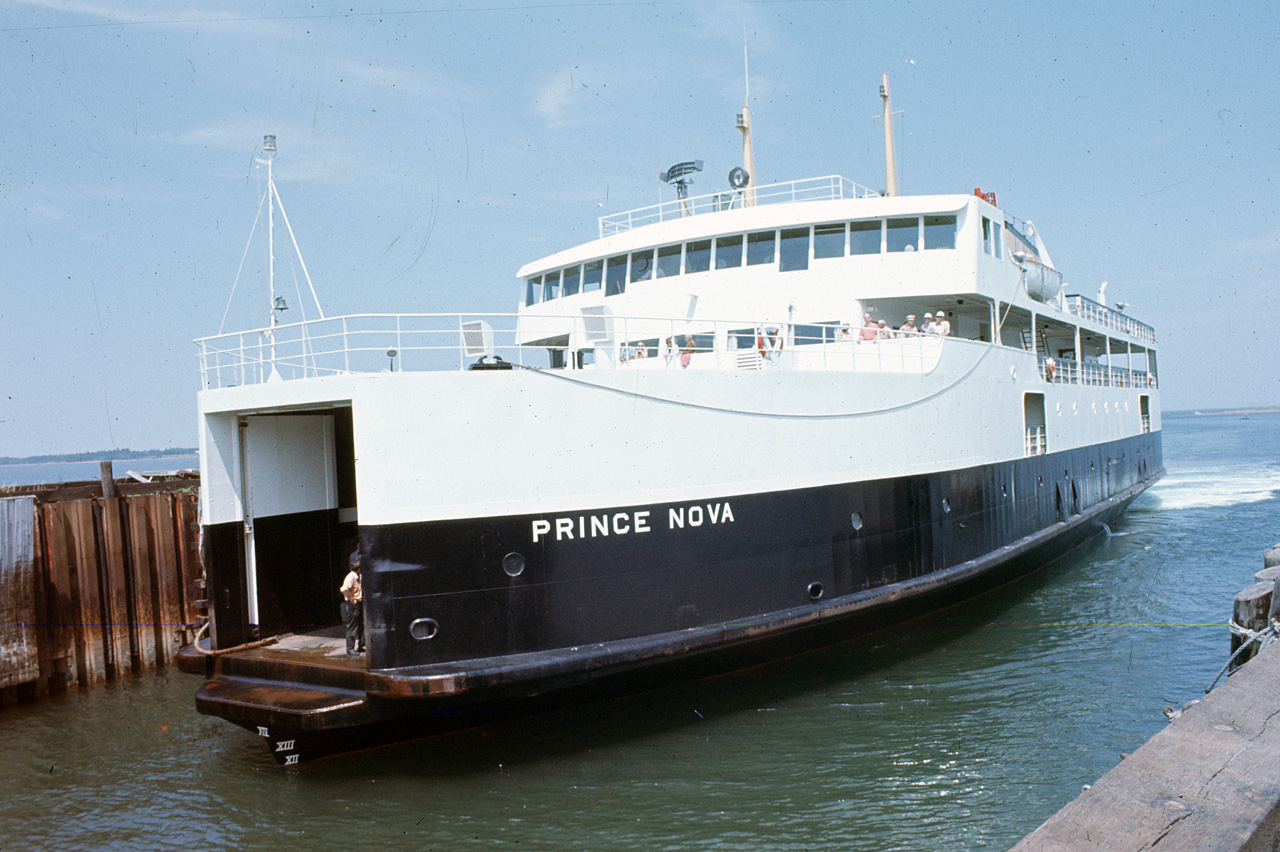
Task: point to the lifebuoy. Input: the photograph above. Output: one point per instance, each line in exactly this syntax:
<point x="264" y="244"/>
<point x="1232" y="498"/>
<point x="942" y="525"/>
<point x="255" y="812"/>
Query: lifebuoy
<point x="769" y="340"/>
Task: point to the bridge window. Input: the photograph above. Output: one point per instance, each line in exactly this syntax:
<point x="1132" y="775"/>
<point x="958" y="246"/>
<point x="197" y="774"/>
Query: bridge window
<point x="728" y="252"/>
<point x="864" y="237"/>
<point x="615" y="275"/>
<point x="668" y="261"/>
<point x="760" y="247"/>
<point x="795" y="249"/>
<point x="551" y="286"/>
<point x="572" y="278"/>
<point x="642" y="265"/>
<point x="592" y="271"/>
<point x="903" y="234"/>
<point x="828" y="240"/>
<point x="940" y="232"/>
<point x="697" y="256"/>
<point x="533" y="294"/>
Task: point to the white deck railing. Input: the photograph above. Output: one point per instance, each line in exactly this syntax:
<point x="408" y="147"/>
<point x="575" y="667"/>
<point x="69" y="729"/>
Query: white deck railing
<point x="1065" y="372"/>
<point x="375" y="343"/>
<point x="831" y="187"/>
<point x="1110" y="318"/>
<point x="379" y="343"/>
<point x="1036" y="442"/>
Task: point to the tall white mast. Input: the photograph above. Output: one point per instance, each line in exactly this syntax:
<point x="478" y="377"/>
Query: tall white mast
<point x="269" y="150"/>
<point x="890" y="160"/>
<point x="748" y="152"/>
<point x="274" y="201"/>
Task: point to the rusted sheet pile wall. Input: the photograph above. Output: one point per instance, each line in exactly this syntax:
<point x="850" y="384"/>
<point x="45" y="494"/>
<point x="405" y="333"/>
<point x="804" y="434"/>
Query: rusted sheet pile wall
<point x="92" y="589"/>
<point x="19" y="662"/>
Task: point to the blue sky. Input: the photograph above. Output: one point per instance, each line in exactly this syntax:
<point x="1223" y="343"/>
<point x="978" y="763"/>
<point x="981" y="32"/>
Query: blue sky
<point x="428" y="150"/>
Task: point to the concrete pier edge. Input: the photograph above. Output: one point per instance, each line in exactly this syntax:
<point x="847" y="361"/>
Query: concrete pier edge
<point x="1209" y="780"/>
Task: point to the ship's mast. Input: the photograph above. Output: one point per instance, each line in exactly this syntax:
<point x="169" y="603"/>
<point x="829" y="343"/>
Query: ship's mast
<point x="748" y="152"/>
<point x="269" y="152"/>
<point x="271" y="200"/>
<point x="890" y="160"/>
<point x="274" y="201"/>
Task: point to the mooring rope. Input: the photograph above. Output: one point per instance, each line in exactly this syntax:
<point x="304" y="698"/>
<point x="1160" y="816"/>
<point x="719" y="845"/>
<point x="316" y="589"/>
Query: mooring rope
<point x="1263" y="637"/>
<point x="204" y="628"/>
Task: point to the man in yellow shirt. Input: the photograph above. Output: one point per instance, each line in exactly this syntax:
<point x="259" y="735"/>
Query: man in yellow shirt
<point x="355" y="606"/>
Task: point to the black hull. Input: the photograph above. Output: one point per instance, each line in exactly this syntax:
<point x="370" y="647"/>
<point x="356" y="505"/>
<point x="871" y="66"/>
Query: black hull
<point x="788" y="574"/>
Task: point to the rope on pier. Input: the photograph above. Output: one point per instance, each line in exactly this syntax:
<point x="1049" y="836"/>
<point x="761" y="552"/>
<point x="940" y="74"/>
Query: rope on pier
<point x="204" y="628"/>
<point x="1263" y="637"/>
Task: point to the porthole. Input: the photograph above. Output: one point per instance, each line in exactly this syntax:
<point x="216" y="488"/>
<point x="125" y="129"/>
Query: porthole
<point x="855" y="520"/>
<point x="1059" y="409"/>
<point x="1013" y="373"/>
<point x="513" y="564"/>
<point x="815" y="591"/>
<point x="423" y="629"/>
<point x="1004" y="491"/>
<point x="946" y="505"/>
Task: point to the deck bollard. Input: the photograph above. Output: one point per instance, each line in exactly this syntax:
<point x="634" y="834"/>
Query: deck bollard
<point x="1252" y="611"/>
<point x="1271" y="557"/>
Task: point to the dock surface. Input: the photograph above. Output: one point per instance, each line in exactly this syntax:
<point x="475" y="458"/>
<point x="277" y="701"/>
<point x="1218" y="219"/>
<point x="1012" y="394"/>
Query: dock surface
<point x="1210" y="780"/>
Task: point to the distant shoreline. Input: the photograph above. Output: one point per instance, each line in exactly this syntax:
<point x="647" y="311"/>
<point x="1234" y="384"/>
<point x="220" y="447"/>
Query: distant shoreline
<point x="1236" y="411"/>
<point x="80" y="458"/>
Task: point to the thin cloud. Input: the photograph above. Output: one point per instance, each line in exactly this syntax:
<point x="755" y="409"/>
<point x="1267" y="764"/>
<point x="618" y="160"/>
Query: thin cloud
<point x="554" y="98"/>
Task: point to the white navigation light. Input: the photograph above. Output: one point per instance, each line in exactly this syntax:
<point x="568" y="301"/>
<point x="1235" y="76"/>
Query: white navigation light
<point x="269" y="143"/>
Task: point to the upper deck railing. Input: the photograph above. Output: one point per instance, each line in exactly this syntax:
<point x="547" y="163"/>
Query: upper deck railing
<point x="829" y="188"/>
<point x="1110" y="318"/>
<point x="382" y="343"/>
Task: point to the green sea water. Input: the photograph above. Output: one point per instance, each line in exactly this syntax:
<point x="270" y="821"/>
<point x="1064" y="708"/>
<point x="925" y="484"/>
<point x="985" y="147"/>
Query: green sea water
<point x="964" y="730"/>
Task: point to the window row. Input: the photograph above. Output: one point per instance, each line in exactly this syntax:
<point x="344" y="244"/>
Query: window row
<point x="790" y="249"/>
<point x="767" y="337"/>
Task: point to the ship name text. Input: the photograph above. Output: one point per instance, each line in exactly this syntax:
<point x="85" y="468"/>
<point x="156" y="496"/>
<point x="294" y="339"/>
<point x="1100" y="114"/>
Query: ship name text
<point x="626" y="523"/>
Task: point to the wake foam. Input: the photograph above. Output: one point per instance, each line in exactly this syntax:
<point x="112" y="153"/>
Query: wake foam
<point x="1214" y="488"/>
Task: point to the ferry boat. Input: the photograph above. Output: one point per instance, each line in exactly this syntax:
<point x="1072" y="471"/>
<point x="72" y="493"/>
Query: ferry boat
<point x="714" y="434"/>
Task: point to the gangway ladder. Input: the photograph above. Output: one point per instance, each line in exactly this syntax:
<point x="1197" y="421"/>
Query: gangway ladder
<point x="1042" y="343"/>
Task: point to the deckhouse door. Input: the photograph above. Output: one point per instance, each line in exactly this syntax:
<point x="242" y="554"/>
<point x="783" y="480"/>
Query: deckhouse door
<point x="289" y="488"/>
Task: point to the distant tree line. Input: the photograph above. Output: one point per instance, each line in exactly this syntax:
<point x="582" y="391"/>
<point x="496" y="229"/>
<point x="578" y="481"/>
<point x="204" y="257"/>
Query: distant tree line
<point x="101" y="455"/>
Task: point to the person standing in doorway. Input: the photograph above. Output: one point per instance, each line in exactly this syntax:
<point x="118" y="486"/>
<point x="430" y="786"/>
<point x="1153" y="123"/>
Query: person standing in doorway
<point x="352" y="594"/>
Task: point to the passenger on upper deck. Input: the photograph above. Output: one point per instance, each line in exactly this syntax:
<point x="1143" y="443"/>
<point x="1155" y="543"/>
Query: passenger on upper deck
<point x="909" y="327"/>
<point x="883" y="331"/>
<point x="870" y="331"/>
<point x="926" y="327"/>
<point x="686" y="352"/>
<point x="940" y="325"/>
<point x="843" y="333"/>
